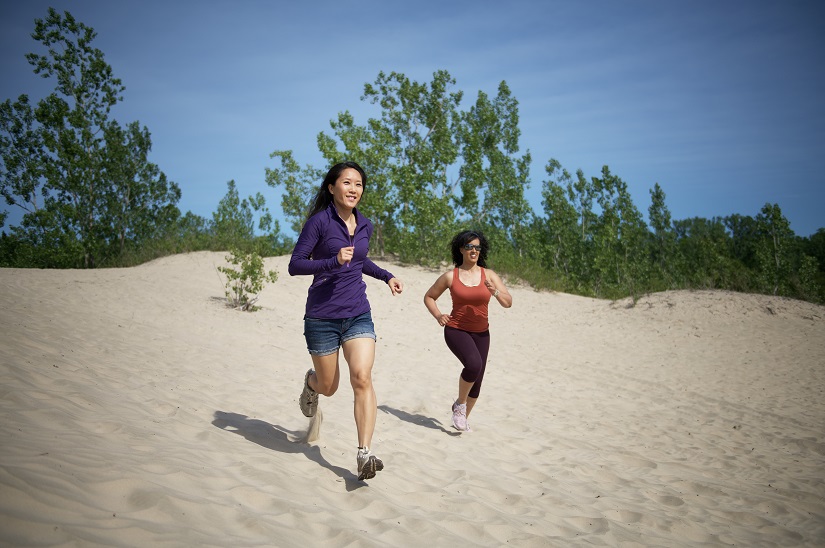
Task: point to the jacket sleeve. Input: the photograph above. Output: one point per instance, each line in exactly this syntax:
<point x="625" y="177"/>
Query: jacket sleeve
<point x="300" y="263"/>
<point x="375" y="271"/>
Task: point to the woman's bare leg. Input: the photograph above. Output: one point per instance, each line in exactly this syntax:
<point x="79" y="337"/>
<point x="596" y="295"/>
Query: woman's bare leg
<point x="326" y="376"/>
<point x="360" y="356"/>
<point x="463" y="390"/>
<point x="470" y="403"/>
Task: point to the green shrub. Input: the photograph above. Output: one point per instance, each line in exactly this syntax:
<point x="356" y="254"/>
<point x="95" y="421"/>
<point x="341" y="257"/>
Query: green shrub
<point x="246" y="280"/>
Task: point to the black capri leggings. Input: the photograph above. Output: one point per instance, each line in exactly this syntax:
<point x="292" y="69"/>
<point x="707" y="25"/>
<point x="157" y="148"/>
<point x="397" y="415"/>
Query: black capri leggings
<point x="471" y="349"/>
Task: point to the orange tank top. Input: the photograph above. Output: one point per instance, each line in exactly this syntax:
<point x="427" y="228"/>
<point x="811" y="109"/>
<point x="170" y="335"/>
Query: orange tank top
<point x="469" y="305"/>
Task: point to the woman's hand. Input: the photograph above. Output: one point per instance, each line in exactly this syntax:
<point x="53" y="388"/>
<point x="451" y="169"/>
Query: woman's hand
<point x="498" y="290"/>
<point x="443" y="319"/>
<point x="491" y="287"/>
<point x="345" y="255"/>
<point x="396" y="286"/>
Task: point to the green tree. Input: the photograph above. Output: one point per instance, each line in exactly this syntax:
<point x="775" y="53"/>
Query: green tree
<point x="416" y="137"/>
<point x="140" y="202"/>
<point x="190" y="233"/>
<point x="233" y="224"/>
<point x="560" y="237"/>
<point x="815" y="247"/>
<point x="744" y="235"/>
<point x="74" y="119"/>
<point x="582" y="194"/>
<point x="774" y="256"/>
<point x="78" y="175"/>
<point x="493" y="179"/>
<point x="407" y="153"/>
<point x="380" y="199"/>
<point x="298" y="186"/>
<point x="618" y="239"/>
<point x="703" y="245"/>
<point x="812" y="273"/>
<point x="22" y="161"/>
<point x="663" y="245"/>
<point x="807" y="284"/>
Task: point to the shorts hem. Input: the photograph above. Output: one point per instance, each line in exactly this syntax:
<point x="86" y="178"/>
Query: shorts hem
<point x="364" y="335"/>
<point x="320" y="353"/>
<point x="325" y="336"/>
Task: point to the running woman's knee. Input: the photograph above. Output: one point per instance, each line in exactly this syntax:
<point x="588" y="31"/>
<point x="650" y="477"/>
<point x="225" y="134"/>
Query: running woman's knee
<point x="361" y="380"/>
<point x="471" y="371"/>
<point x="327" y="388"/>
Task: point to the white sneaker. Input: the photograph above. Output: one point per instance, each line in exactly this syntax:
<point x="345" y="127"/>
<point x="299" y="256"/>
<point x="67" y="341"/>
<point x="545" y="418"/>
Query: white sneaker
<point x="460" y="416"/>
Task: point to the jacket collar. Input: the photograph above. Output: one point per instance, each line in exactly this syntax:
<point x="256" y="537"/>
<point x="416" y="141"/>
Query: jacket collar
<point x="333" y="213"/>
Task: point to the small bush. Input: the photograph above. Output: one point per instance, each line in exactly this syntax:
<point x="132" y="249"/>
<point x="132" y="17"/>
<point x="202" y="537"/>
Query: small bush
<point x="246" y="280"/>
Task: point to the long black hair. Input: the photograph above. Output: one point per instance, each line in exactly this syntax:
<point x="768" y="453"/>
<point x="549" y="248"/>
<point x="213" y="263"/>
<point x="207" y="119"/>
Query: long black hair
<point x="462" y="238"/>
<point x="324" y="197"/>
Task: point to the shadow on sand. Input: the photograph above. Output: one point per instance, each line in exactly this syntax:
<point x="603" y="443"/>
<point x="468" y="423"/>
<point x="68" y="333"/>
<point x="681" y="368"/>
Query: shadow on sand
<point x="419" y="420"/>
<point x="278" y="438"/>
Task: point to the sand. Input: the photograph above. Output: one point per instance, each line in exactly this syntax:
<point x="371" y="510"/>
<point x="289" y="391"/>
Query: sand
<point x="138" y="410"/>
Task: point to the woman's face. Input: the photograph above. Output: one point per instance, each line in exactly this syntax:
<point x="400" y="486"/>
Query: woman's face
<point x="470" y="251"/>
<point x="348" y="188"/>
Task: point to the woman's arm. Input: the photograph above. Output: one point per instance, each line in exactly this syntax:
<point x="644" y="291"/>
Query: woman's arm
<point x="433" y="293"/>
<point x="498" y="289"/>
<point x="373" y="270"/>
<point x="300" y="263"/>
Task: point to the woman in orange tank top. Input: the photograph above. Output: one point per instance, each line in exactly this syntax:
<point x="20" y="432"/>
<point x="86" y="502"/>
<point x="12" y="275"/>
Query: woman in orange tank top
<point x="466" y="328"/>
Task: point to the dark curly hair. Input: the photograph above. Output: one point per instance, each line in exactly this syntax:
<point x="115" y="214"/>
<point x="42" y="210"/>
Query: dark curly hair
<point x="467" y="236"/>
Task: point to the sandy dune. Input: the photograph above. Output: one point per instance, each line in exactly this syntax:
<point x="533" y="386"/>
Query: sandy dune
<point x="137" y="410"/>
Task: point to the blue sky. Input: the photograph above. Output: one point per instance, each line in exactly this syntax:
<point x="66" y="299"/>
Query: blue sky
<point x="721" y="103"/>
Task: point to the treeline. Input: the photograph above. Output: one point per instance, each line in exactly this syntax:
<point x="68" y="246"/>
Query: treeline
<point x="91" y="198"/>
<point x="434" y="169"/>
<point x="594" y="241"/>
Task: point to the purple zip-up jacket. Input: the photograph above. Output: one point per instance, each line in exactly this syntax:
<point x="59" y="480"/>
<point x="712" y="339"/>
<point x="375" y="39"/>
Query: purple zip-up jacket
<point x="337" y="291"/>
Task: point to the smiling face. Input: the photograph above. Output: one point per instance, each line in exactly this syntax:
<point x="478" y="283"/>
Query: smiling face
<point x="471" y="255"/>
<point x="347" y="190"/>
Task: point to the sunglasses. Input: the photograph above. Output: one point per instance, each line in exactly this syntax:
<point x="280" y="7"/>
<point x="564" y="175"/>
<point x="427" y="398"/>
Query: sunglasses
<point x="468" y="247"/>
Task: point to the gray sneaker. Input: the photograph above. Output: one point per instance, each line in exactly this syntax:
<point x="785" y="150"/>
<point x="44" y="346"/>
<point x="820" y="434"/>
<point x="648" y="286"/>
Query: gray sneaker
<point x="309" y="398"/>
<point x="368" y="464"/>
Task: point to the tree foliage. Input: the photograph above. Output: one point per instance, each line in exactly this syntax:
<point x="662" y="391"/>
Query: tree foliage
<point x="431" y="167"/>
<point x="83" y="181"/>
<point x="233" y="225"/>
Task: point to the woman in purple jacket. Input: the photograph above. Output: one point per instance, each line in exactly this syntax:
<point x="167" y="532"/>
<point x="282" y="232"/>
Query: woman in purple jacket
<point x="332" y="247"/>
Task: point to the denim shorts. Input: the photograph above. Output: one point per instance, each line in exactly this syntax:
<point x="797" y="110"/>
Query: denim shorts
<point x="326" y="336"/>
